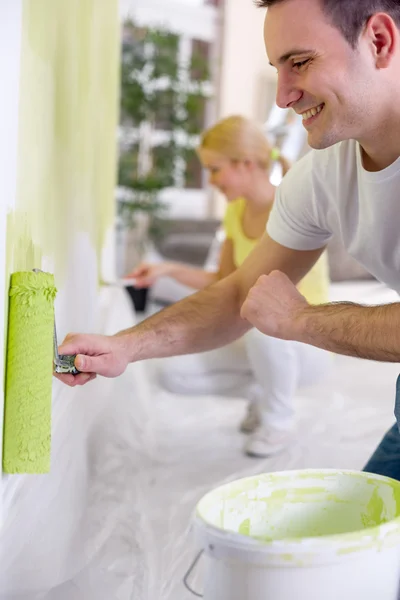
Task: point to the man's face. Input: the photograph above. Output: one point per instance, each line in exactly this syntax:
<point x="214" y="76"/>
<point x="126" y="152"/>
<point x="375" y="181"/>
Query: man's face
<point x="320" y="75"/>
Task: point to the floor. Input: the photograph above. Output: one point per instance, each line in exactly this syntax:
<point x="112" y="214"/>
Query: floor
<point x="145" y="488"/>
<point x="152" y="455"/>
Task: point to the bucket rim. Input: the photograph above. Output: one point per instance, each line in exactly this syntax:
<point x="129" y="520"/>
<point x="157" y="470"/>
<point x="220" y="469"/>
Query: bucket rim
<point x="354" y="540"/>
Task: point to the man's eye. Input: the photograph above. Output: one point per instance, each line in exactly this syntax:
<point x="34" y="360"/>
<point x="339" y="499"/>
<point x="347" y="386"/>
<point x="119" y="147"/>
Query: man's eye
<point x="300" y="64"/>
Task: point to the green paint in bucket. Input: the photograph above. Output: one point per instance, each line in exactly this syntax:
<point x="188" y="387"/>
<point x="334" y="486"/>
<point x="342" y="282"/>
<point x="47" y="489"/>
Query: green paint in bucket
<point x="291" y="505"/>
<point x="307" y="535"/>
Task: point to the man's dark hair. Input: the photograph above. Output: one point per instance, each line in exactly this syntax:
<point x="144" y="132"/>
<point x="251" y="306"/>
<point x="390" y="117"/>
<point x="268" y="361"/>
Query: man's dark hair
<point x="350" y="16"/>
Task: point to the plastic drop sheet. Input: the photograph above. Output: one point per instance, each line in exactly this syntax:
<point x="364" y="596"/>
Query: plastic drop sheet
<point x="130" y="462"/>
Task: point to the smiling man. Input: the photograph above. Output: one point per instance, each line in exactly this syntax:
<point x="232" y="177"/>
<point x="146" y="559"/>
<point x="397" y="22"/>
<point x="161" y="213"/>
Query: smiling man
<point x="338" y="65"/>
<point x="326" y="74"/>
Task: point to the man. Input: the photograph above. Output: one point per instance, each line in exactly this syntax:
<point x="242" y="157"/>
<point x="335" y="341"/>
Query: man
<point x="338" y="65"/>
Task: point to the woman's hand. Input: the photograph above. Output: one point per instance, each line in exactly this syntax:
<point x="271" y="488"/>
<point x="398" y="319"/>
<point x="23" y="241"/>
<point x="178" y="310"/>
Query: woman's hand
<point x="146" y="273"/>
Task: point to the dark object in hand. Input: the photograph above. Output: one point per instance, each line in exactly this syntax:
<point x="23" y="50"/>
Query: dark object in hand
<point x="138" y="297"/>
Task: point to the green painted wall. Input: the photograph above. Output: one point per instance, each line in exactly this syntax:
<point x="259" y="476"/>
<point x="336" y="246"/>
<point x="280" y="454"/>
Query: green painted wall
<point x="67" y="130"/>
<point x="66" y="150"/>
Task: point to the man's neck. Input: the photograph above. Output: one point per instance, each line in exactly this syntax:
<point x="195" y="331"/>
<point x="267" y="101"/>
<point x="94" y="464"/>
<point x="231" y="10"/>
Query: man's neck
<point x="382" y="148"/>
<point x="374" y="161"/>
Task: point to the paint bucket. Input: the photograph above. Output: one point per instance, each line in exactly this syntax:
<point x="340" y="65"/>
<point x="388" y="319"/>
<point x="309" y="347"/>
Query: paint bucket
<point x="301" y="535"/>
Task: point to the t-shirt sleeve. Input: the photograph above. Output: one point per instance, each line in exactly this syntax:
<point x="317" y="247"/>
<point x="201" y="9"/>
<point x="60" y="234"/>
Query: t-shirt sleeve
<point x="295" y="220"/>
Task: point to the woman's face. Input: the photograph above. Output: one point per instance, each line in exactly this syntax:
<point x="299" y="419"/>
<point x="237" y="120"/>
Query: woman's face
<point x="229" y="177"/>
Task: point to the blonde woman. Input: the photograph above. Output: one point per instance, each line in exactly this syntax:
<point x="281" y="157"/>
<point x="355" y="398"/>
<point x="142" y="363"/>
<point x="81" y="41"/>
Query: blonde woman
<point x="266" y="370"/>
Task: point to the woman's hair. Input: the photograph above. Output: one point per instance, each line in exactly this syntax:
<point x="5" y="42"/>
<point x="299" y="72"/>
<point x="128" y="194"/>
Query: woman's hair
<point x="238" y="138"/>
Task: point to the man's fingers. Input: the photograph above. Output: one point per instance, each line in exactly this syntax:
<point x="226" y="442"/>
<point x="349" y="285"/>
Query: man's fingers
<point x="82" y="344"/>
<point x="243" y="310"/>
<point x="66" y="378"/>
<point x="74" y="380"/>
<point x="246" y="312"/>
<point x="83" y="378"/>
<point x="69" y="336"/>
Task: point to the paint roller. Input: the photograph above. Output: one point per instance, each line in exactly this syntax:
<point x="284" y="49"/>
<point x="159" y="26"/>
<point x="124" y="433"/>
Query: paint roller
<point x="31" y="346"/>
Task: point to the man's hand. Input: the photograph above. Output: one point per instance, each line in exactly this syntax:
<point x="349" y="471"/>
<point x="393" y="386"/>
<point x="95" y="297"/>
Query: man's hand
<point x="274" y="305"/>
<point x="96" y="354"/>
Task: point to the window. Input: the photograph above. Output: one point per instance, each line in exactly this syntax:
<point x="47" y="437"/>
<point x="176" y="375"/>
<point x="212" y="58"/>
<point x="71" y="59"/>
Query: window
<point x="200" y="60"/>
<point x="193" y="171"/>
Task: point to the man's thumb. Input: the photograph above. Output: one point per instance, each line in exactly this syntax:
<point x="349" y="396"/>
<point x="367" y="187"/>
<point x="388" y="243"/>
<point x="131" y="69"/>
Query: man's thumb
<point x="89" y="364"/>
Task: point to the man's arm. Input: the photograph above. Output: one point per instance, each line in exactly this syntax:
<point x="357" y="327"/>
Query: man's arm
<point x="276" y="308"/>
<point x="211" y="318"/>
<point x="208" y="319"/>
<point x="371" y="332"/>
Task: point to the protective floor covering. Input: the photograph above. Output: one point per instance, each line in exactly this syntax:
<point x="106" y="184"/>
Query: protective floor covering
<point x="143" y="489"/>
<point x="149" y="456"/>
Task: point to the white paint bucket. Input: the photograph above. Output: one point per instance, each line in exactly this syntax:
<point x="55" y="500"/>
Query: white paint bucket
<point x="302" y="535"/>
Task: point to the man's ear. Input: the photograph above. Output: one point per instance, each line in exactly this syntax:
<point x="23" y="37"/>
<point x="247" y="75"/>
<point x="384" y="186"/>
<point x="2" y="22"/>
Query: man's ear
<point x="383" y="36"/>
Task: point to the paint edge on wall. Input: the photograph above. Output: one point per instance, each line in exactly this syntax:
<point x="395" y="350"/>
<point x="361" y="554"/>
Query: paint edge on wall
<point x="10" y="58"/>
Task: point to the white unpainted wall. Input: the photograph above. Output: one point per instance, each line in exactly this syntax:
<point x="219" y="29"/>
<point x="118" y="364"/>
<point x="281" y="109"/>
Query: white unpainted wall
<point x="247" y="78"/>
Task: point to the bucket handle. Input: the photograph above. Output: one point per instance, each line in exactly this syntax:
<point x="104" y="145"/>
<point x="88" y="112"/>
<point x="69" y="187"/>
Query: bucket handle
<point x="188" y="574"/>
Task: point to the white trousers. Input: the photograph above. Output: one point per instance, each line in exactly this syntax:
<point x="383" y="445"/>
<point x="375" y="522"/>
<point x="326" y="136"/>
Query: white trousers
<point x="263" y="369"/>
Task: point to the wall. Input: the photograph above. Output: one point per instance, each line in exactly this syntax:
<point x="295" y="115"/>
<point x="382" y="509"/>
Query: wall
<point x="59" y="151"/>
<point x="58" y="116"/>
<point x="63" y="208"/>
<point x="246" y="84"/>
<point x="246" y="73"/>
<point x="10" y="18"/>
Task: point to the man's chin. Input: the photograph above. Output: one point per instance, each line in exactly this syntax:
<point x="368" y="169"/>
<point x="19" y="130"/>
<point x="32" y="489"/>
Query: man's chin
<point x="320" y="142"/>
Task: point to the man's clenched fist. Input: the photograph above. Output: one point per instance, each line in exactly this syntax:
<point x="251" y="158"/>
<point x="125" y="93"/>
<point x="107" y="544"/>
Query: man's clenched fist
<point x="275" y="306"/>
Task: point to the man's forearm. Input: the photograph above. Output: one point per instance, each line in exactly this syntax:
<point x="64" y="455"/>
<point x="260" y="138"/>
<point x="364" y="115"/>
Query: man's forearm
<point x="208" y="319"/>
<point x="371" y="332"/>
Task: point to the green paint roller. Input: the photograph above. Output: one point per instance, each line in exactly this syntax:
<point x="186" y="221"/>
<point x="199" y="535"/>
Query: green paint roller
<point x="28" y="388"/>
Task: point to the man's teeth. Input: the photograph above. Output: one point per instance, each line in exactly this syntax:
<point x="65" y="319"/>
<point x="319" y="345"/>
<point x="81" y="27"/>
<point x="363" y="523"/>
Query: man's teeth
<point x="312" y="112"/>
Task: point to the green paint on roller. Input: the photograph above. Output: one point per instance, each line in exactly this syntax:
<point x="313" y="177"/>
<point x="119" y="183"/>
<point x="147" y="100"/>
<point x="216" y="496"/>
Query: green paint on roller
<point x="27" y="418"/>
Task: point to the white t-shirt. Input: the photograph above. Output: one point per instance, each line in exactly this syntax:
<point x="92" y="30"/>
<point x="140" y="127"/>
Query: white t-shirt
<point x="329" y="192"/>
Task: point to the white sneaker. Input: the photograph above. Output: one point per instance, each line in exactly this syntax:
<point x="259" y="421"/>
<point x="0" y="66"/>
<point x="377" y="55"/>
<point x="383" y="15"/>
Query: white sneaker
<point x="252" y="419"/>
<point x="266" y="442"/>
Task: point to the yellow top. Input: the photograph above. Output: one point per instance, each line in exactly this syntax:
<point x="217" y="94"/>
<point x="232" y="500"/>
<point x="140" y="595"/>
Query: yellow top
<point x="314" y="286"/>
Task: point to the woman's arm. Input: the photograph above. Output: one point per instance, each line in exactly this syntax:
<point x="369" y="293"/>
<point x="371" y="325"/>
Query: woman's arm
<point x="146" y="274"/>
